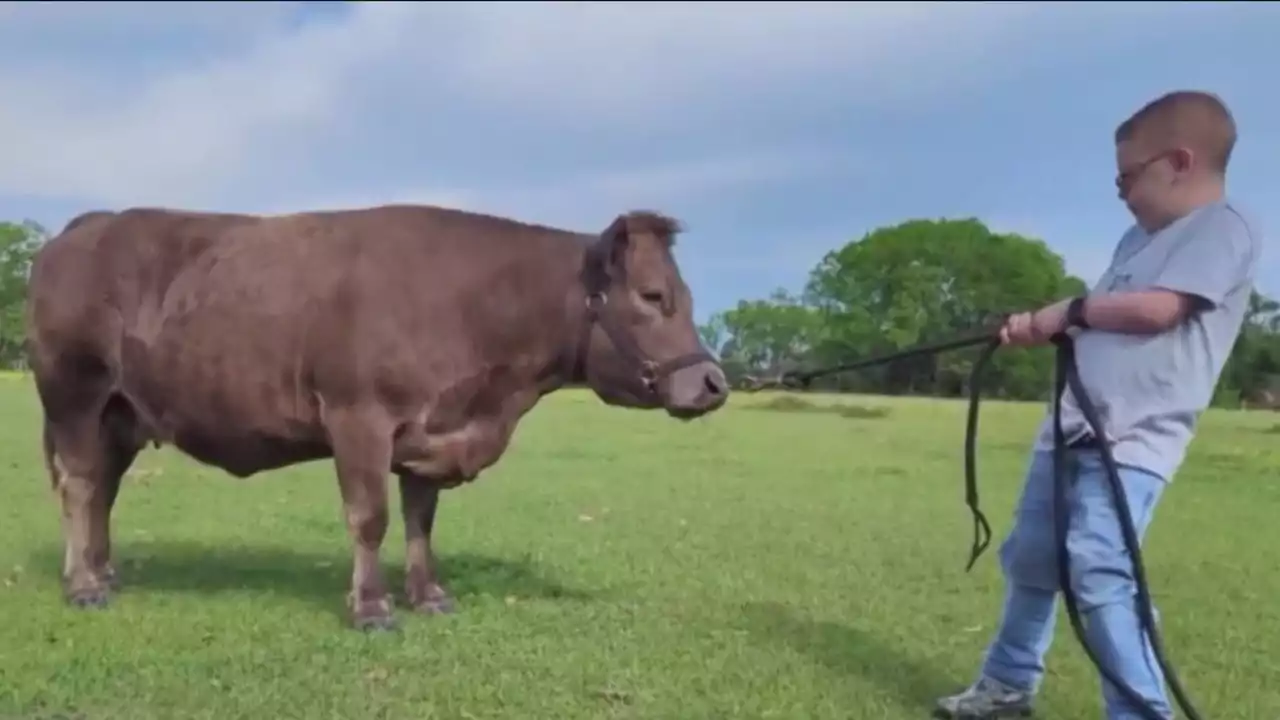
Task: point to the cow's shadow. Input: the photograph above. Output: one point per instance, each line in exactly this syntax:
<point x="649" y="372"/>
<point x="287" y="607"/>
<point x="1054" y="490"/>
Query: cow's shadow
<point x="913" y="682"/>
<point x="321" y="579"/>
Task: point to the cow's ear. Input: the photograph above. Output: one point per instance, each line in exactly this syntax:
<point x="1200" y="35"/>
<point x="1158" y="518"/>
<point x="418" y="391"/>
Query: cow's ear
<point x="614" y="241"/>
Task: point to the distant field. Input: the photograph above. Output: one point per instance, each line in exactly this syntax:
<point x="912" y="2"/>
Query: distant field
<point x="758" y="564"/>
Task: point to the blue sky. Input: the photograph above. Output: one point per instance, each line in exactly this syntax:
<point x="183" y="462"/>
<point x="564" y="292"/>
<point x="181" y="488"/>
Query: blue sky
<point x="775" y="133"/>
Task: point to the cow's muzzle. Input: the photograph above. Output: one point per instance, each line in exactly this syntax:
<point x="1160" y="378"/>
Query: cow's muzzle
<point x="694" y="390"/>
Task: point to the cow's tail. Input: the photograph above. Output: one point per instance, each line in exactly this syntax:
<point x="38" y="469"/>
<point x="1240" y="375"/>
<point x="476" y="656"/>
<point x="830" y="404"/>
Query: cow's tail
<point x="50" y="457"/>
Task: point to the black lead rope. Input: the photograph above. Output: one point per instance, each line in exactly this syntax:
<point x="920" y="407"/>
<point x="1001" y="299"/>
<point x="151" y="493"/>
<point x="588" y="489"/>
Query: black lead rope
<point x="1066" y="375"/>
<point x="990" y="341"/>
<point x="981" y="529"/>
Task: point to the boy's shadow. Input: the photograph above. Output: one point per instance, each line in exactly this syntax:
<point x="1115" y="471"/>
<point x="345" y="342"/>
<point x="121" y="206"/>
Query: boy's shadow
<point x="914" y="682"/>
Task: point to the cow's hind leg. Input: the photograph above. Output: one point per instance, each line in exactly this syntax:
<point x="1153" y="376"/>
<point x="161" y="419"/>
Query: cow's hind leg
<point x="87" y="454"/>
<point x="361" y="443"/>
<point x="419" y="498"/>
<point x="122" y="443"/>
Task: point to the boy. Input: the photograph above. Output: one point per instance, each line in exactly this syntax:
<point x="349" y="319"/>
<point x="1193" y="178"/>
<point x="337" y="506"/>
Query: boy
<point x="1155" y="333"/>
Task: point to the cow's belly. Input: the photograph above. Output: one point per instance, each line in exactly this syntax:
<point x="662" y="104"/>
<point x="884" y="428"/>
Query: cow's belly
<point x="245" y="453"/>
<point x="234" y="410"/>
<point x="238" y="432"/>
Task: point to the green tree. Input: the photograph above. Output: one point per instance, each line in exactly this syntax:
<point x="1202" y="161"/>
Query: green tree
<point x="767" y="336"/>
<point x="714" y="333"/>
<point x="18" y="244"/>
<point x="923" y="280"/>
<point x="1252" y="371"/>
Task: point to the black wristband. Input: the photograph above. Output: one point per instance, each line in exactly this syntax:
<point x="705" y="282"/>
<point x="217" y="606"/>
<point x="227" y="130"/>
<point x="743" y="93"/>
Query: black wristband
<point x="1075" y="314"/>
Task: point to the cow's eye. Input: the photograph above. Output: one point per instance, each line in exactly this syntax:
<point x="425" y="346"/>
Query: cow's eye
<point x="653" y="297"/>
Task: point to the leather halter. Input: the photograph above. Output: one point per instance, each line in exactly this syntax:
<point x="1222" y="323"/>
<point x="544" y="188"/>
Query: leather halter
<point x="596" y="282"/>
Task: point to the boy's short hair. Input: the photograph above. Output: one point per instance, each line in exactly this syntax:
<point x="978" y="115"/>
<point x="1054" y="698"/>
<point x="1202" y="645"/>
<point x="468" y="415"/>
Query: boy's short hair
<point x="1191" y="118"/>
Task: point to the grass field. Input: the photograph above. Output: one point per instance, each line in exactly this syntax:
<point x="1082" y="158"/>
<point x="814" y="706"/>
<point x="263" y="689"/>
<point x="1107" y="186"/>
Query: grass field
<point x="618" y="564"/>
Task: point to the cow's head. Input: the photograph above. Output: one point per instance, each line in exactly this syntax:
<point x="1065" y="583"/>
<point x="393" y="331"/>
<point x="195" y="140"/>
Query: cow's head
<point x="643" y="349"/>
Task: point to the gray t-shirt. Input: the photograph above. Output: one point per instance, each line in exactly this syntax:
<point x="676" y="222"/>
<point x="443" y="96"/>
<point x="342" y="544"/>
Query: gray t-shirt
<point x="1150" y="389"/>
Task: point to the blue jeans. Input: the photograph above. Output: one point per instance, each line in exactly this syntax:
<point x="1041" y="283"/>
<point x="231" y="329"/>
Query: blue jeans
<point x="1101" y="576"/>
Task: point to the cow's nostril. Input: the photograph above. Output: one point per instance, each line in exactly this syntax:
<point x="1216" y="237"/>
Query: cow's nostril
<point x="714" y="383"/>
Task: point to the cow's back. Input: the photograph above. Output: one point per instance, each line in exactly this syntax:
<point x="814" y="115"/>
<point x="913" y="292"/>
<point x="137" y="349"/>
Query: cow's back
<point x="342" y="301"/>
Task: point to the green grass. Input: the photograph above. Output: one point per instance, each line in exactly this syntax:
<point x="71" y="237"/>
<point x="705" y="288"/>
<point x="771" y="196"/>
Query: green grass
<point x="618" y="564"/>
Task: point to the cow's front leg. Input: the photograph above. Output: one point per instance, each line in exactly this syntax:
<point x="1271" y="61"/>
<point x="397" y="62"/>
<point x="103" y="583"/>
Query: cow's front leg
<point x="419" y="498"/>
<point x="362" y="454"/>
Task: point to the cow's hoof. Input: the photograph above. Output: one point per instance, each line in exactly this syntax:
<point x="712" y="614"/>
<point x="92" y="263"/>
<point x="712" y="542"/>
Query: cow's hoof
<point x="374" y="623"/>
<point x="373" y="615"/>
<point x="435" y="606"/>
<point x="428" y="598"/>
<point x="90" y="598"/>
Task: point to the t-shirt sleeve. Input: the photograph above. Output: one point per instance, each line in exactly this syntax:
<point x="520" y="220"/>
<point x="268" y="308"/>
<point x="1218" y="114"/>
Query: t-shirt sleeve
<point x="1210" y="257"/>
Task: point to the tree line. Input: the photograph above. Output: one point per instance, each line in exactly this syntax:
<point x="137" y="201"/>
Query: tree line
<point x="18" y="243"/>
<point x="918" y="281"/>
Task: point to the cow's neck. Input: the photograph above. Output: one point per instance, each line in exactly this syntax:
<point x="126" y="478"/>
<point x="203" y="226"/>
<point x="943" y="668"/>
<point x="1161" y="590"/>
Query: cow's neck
<point x="560" y="355"/>
<point x="578" y="327"/>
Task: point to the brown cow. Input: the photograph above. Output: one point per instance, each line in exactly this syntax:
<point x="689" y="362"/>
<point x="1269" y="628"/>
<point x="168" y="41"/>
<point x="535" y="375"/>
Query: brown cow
<point x="397" y="339"/>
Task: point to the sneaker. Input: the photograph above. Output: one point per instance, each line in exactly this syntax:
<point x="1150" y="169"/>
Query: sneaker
<point x="984" y="700"/>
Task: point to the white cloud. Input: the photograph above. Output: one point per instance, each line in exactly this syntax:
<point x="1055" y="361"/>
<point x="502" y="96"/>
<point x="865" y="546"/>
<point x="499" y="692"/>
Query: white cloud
<point x="256" y="102"/>
<point x="672" y="187"/>
<point x="660" y="186"/>
<point x="181" y="135"/>
<point x="618" y="58"/>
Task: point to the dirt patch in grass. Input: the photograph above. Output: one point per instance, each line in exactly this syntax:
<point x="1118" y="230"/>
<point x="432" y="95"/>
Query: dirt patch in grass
<point x="793" y="404"/>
